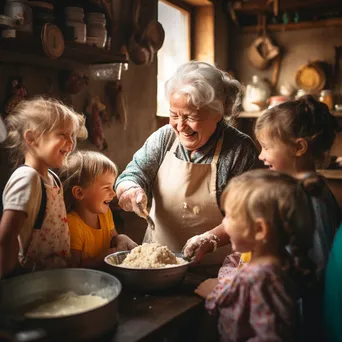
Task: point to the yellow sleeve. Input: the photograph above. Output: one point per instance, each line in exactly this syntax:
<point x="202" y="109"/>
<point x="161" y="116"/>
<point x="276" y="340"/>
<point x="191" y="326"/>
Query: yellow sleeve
<point x="76" y="232"/>
<point x="246" y="257"/>
<point x="110" y="223"/>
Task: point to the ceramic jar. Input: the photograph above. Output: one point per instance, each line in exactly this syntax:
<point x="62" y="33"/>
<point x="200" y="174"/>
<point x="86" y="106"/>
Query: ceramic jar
<point x="76" y="29"/>
<point x="20" y="11"/>
<point x="96" y="29"/>
<point x="257" y="95"/>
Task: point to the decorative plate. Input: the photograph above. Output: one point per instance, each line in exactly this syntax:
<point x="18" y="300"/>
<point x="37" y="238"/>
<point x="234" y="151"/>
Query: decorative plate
<point x="52" y="41"/>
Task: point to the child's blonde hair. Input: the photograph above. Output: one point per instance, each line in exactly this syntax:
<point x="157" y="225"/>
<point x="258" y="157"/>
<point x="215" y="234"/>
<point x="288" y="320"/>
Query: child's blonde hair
<point x="39" y="115"/>
<point x="304" y="118"/>
<point x="81" y="168"/>
<point x="282" y="201"/>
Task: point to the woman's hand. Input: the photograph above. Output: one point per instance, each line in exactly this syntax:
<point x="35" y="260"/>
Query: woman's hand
<point x="130" y="195"/>
<point x="200" y="245"/>
<point x="123" y="243"/>
<point x="206" y="287"/>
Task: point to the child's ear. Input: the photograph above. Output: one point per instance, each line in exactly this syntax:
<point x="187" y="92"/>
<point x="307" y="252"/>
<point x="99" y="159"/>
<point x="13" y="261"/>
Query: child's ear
<point x="301" y="146"/>
<point x="29" y="137"/>
<point x="261" y="229"/>
<point x="77" y="192"/>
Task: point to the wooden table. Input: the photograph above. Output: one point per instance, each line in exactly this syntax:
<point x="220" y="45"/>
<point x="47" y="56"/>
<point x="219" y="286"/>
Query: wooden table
<point x="168" y="316"/>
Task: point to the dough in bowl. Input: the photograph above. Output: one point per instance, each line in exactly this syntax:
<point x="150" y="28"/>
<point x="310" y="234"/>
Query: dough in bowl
<point x="151" y="255"/>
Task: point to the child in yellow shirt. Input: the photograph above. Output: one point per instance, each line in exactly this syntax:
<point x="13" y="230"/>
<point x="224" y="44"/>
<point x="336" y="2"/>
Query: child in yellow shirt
<point x="88" y="180"/>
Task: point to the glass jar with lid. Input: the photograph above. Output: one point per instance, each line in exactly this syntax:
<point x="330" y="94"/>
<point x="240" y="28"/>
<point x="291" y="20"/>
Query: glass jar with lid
<point x="326" y="97"/>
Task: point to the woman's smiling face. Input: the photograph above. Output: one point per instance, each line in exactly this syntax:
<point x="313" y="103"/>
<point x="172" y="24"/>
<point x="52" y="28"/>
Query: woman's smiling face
<point x="193" y="126"/>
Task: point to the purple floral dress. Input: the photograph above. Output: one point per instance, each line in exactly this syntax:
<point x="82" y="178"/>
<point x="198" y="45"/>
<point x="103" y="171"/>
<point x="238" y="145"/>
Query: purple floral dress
<point x="256" y="304"/>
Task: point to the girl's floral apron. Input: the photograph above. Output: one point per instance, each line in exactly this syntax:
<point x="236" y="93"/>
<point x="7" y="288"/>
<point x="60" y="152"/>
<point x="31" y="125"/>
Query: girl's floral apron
<point x="50" y="245"/>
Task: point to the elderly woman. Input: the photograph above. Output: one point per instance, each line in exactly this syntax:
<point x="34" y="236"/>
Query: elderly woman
<point x="184" y="166"/>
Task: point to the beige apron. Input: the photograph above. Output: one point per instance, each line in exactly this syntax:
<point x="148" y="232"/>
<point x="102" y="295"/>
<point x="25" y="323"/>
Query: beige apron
<point x="184" y="203"/>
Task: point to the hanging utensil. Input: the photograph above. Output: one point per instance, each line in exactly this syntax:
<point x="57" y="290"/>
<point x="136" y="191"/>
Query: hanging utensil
<point x="144" y="213"/>
<point x="138" y="54"/>
<point x="153" y="38"/>
<point x="3" y="131"/>
<point x="153" y="35"/>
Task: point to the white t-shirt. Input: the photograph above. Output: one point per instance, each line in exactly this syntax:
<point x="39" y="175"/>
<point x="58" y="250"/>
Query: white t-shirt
<point x="23" y="192"/>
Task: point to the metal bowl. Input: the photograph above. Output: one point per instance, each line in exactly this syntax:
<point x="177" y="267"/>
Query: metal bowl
<point x="19" y="293"/>
<point x="145" y="279"/>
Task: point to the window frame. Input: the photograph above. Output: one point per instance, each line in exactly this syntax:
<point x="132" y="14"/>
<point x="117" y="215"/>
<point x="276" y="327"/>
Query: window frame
<point x="179" y="5"/>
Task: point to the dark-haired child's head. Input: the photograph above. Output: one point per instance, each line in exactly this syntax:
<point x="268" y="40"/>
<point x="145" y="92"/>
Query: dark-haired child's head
<point x="296" y="135"/>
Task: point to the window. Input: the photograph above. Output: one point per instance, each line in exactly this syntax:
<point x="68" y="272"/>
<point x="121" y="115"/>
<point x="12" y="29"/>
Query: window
<point x="175" y="50"/>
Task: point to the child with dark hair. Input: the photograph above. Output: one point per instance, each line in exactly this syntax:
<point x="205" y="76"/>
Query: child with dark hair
<point x="296" y="138"/>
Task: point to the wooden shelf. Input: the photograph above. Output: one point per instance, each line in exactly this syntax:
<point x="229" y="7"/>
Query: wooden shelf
<point x="27" y="50"/>
<point x="331" y="174"/>
<point x="262" y="6"/>
<point x="249" y="115"/>
<point x="253" y="115"/>
<point x="297" y="26"/>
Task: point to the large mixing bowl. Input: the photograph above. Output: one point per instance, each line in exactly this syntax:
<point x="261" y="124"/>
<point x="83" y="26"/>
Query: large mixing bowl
<point x="145" y="279"/>
<point x="19" y="293"/>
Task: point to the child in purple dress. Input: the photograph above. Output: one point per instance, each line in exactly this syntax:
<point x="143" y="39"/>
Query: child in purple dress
<point x="267" y="213"/>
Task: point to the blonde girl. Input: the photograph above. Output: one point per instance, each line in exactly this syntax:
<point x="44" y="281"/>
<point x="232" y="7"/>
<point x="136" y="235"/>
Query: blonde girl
<point x="266" y="213"/>
<point x="88" y="179"/>
<point x="41" y="133"/>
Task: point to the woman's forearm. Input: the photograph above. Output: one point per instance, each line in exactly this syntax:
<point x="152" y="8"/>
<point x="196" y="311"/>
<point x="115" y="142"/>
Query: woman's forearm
<point x="220" y="232"/>
<point x="123" y="186"/>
